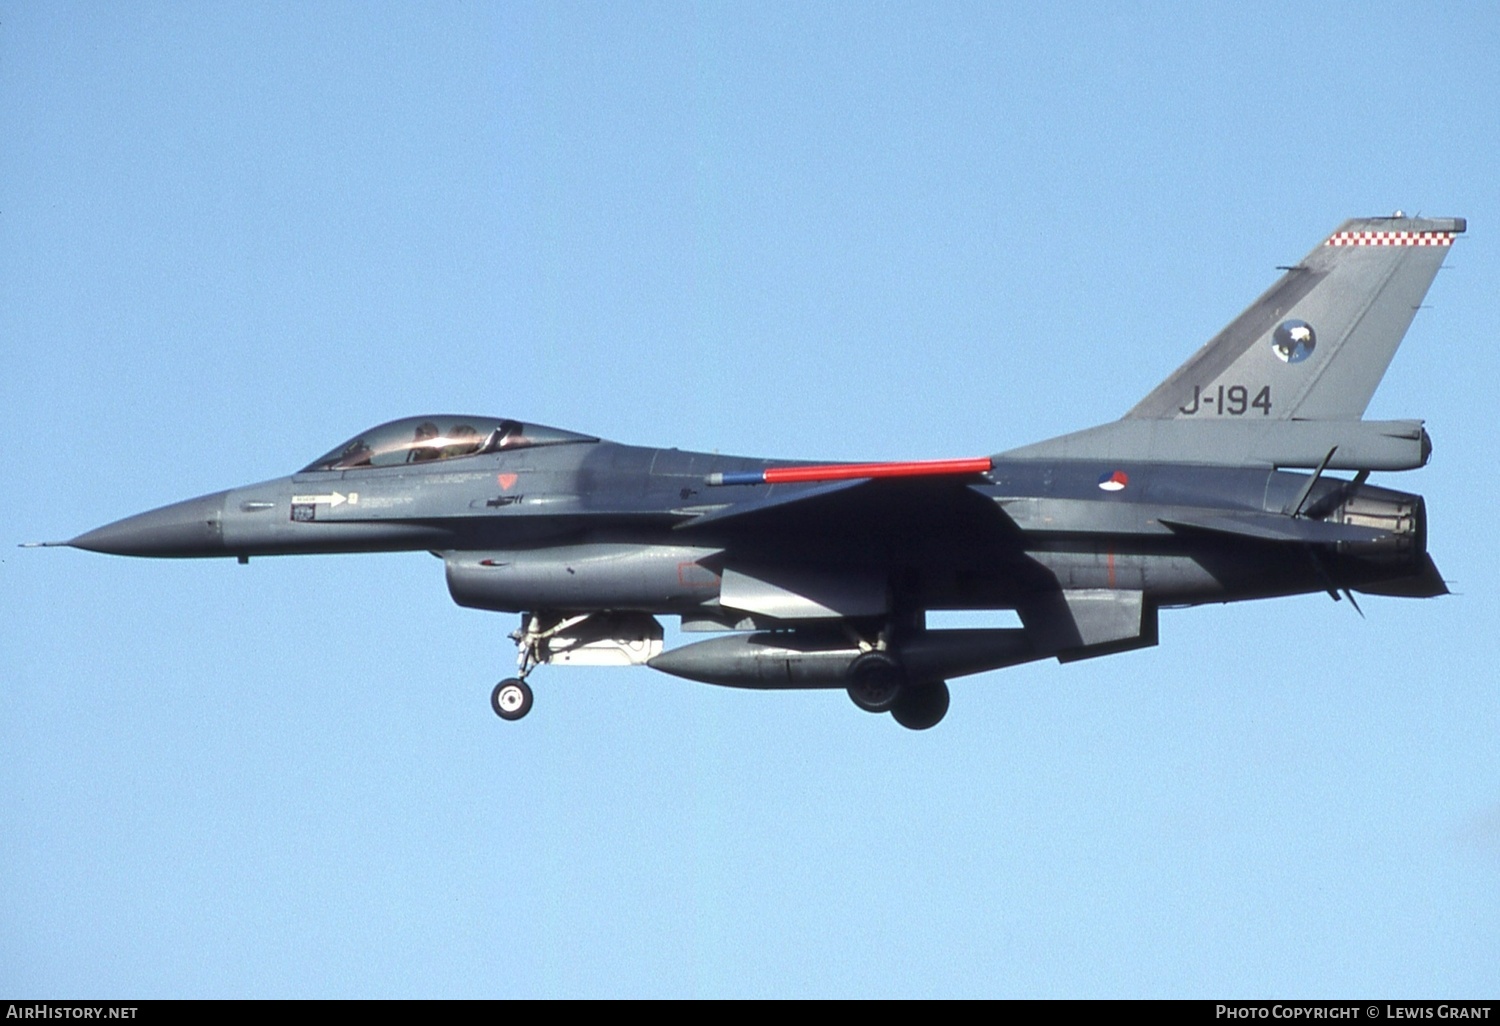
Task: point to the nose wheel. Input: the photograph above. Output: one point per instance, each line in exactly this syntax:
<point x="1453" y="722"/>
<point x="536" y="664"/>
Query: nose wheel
<point x="511" y="698"/>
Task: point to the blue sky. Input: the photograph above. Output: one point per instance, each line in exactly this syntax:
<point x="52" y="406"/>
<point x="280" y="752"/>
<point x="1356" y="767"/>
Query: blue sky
<point x="233" y="235"/>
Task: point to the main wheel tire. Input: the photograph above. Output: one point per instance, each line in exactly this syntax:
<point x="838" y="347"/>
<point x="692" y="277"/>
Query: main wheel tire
<point x="511" y="699"/>
<point x="921" y="706"/>
<point x="875" y="681"/>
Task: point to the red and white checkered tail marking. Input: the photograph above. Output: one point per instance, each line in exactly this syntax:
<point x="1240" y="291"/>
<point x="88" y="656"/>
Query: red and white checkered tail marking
<point x="1391" y="239"/>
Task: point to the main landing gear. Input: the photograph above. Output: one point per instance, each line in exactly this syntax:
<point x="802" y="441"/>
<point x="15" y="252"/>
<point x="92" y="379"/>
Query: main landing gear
<point x="921" y="705"/>
<point x="879" y="683"/>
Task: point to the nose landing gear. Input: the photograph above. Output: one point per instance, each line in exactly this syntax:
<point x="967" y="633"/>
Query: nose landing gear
<point x="598" y="638"/>
<point x="511" y="698"/>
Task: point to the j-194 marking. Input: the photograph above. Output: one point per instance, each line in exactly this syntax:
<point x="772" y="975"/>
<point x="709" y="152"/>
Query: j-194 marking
<point x="1234" y="400"/>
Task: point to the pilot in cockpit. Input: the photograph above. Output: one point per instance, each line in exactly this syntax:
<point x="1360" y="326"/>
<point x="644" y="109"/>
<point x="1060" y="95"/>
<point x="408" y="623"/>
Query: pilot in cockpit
<point x="419" y="453"/>
<point x="462" y="440"/>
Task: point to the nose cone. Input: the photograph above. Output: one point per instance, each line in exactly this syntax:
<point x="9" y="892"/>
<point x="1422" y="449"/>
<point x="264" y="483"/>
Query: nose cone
<point x="191" y="528"/>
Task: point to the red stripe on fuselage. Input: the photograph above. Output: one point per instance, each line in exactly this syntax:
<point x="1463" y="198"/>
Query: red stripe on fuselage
<point x="844" y="471"/>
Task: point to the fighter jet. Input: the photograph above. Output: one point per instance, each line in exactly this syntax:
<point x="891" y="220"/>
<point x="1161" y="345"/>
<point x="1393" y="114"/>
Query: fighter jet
<point x="1216" y="487"/>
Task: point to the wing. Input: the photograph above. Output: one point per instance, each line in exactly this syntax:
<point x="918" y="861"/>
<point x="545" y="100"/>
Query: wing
<point x="882" y="516"/>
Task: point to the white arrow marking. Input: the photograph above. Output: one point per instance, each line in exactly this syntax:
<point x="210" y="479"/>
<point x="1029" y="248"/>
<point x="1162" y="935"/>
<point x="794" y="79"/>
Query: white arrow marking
<point x="336" y="499"/>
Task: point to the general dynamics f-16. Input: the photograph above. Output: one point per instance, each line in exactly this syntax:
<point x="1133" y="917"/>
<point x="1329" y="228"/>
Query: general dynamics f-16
<point x="1213" y="488"/>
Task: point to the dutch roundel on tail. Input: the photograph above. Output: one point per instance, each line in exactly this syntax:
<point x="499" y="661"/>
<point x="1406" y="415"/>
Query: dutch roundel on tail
<point x="1226" y="482"/>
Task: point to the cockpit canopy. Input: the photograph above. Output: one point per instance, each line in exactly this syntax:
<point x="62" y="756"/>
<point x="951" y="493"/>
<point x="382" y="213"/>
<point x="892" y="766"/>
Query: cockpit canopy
<point x="426" y="439"/>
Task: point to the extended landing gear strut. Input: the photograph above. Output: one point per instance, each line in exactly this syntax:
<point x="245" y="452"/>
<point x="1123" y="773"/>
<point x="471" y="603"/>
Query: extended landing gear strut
<point x="599" y="638"/>
<point x="879" y="683"/>
<point x="512" y="697"/>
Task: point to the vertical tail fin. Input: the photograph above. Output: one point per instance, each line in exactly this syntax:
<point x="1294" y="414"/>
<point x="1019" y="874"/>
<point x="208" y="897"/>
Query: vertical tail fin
<point x="1316" y="344"/>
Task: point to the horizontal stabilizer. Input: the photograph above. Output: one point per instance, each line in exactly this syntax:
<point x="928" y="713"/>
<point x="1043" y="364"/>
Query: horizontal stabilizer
<point x="1360" y="444"/>
<point x="1272" y="527"/>
<point x="1427" y="582"/>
